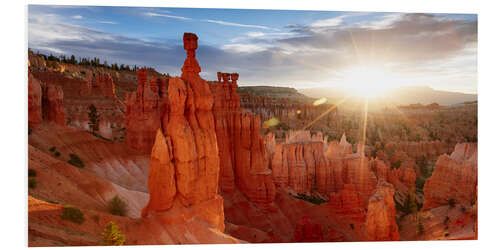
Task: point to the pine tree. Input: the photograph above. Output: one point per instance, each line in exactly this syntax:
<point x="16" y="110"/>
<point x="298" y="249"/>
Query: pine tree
<point x="112" y="235"/>
<point x="93" y="119"/>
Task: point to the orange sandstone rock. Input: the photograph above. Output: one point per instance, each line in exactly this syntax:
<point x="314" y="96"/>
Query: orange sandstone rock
<point x="34" y="101"/>
<point x="161" y="180"/>
<point x="306" y="231"/>
<point x="454" y="178"/>
<point x="380" y="222"/>
<point x="52" y="104"/>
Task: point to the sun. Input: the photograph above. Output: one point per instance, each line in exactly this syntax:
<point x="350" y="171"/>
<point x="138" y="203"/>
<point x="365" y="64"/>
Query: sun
<point x="368" y="82"/>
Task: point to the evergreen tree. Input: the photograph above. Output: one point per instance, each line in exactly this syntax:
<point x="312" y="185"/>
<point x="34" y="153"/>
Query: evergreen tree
<point x="112" y="235"/>
<point x="93" y="119"/>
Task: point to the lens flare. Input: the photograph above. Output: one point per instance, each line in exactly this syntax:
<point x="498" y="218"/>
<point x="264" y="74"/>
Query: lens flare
<point x="319" y="101"/>
<point x="270" y="123"/>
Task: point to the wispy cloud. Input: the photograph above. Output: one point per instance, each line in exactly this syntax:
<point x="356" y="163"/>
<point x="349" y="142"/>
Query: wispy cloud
<point x="330" y="22"/>
<point x="153" y="14"/>
<point x="77" y="17"/>
<point x="107" y="22"/>
<point x="244" y="48"/>
<point x="237" y="24"/>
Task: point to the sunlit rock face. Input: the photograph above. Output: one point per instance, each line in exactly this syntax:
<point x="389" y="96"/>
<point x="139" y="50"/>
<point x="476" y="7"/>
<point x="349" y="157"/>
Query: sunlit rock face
<point x="299" y="163"/>
<point x="454" y="178"/>
<point x="380" y="222"/>
<point x="185" y="153"/>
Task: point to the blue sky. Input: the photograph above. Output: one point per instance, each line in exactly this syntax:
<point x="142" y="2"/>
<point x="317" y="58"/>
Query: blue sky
<point x="299" y="49"/>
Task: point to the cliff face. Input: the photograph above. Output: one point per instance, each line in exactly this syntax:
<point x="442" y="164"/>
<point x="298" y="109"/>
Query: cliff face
<point x="380" y="222"/>
<point x="81" y="87"/>
<point x="34" y="101"/>
<point x="305" y="231"/>
<point x="300" y="164"/>
<point x="53" y="109"/>
<point x="45" y="102"/>
<point x="145" y="109"/>
<point x="187" y="146"/>
<point x="454" y="178"/>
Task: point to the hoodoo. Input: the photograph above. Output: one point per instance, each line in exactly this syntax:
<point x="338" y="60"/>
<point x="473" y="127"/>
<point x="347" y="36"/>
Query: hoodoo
<point x="186" y="145"/>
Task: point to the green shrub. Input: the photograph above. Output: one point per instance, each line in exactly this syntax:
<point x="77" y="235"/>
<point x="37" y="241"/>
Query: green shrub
<point x="53" y="149"/>
<point x="96" y="218"/>
<point x="57" y="153"/>
<point x="446" y="234"/>
<point x="73" y="214"/>
<point x="112" y="235"/>
<point x="117" y="207"/>
<point x="31" y="172"/>
<point x="32" y="183"/>
<point x="29" y="131"/>
<point x="75" y="161"/>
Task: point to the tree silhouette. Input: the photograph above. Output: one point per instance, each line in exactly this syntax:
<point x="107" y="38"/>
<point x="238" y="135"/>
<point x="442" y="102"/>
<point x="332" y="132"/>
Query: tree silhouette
<point x="93" y="118"/>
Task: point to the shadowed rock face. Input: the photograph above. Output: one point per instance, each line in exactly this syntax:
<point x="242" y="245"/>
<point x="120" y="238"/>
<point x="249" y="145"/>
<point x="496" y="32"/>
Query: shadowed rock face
<point x="34" y="101"/>
<point x="454" y="178"/>
<point x="45" y="102"/>
<point x="145" y="109"/>
<point x="244" y="160"/>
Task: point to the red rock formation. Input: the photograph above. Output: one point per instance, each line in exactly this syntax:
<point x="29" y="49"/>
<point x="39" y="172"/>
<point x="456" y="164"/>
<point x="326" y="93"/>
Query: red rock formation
<point x="454" y="177"/>
<point x="307" y="231"/>
<point x="243" y="156"/>
<point x="300" y="164"/>
<point x="105" y="84"/>
<point x="190" y="145"/>
<point x="348" y="203"/>
<point x="52" y="104"/>
<point x="161" y="180"/>
<point x="34" y="101"/>
<point x="402" y="178"/>
<point x="145" y="110"/>
<point x="380" y="222"/>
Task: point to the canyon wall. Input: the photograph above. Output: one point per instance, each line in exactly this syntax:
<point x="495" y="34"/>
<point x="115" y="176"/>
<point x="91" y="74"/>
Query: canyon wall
<point x="454" y="179"/>
<point x="45" y="102"/>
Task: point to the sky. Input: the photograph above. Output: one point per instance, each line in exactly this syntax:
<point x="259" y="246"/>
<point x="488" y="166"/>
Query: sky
<point x="300" y="49"/>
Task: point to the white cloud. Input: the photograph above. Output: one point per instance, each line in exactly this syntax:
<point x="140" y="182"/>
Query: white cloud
<point x="237" y="24"/>
<point x="152" y="14"/>
<point x="244" y="48"/>
<point x="331" y="22"/>
<point x="385" y="22"/>
<point x="107" y="22"/>
<point x="77" y="17"/>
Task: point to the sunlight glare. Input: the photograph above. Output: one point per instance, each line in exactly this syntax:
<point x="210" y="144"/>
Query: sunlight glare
<point x="369" y="82"/>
